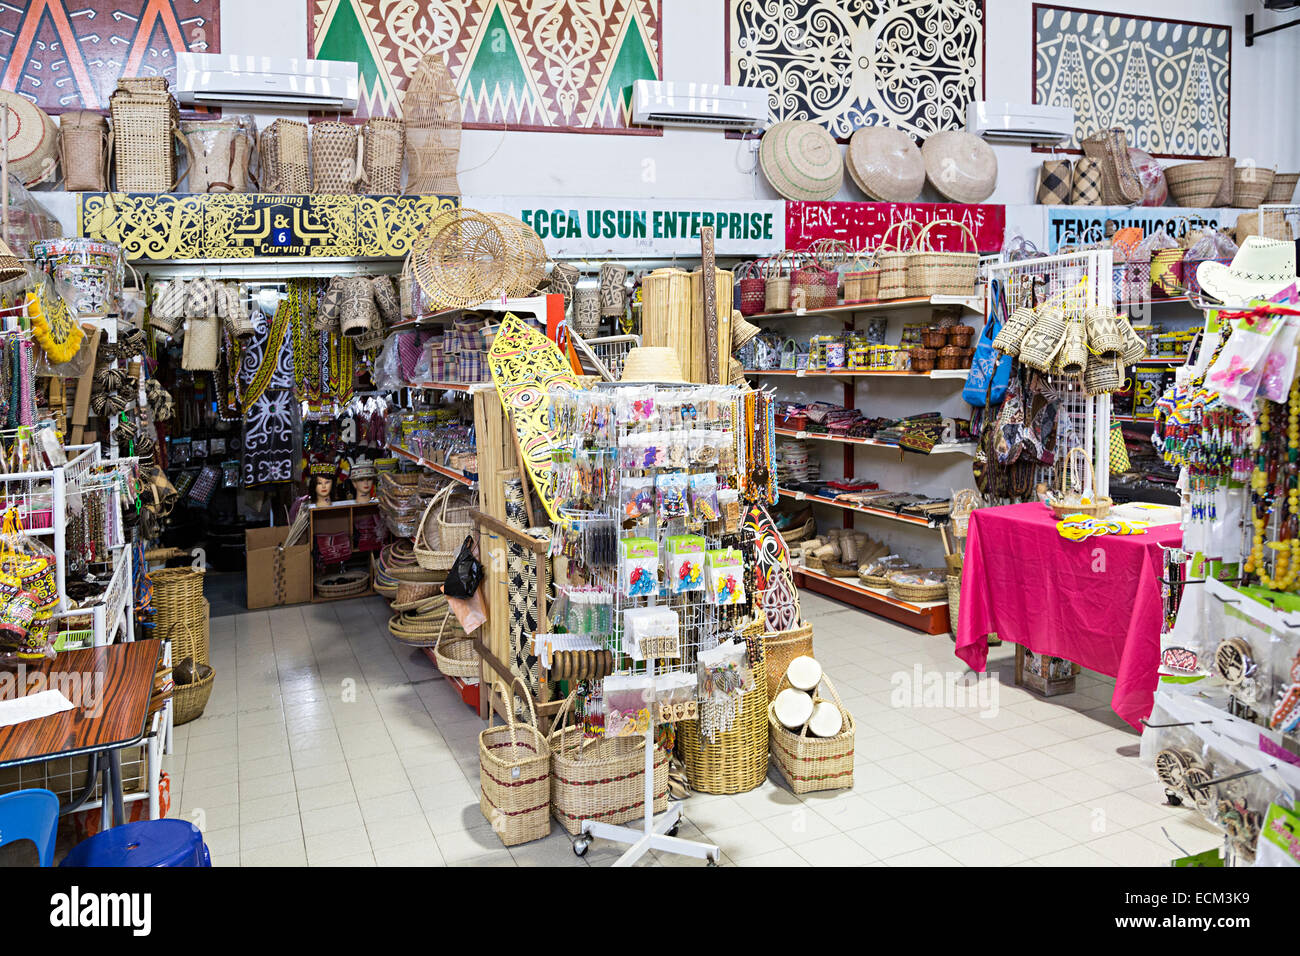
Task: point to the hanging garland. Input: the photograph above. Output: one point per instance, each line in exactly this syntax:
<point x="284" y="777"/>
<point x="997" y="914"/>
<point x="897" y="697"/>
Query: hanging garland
<point x="53" y="325"/>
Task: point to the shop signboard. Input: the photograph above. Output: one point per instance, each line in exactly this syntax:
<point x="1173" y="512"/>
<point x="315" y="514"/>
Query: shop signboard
<point x="651" y="228"/>
<point x="863" y="224"/>
<point x="1082" y="225"/>
<point x="164" y="226"/>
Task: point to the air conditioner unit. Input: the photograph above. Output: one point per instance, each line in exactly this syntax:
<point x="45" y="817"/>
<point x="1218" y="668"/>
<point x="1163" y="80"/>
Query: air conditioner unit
<point x="270" y="82"/>
<point x="702" y="105"/>
<point x="1021" y="122"/>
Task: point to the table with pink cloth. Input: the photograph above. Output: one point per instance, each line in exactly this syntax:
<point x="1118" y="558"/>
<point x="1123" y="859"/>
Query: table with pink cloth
<point x="1095" y="602"/>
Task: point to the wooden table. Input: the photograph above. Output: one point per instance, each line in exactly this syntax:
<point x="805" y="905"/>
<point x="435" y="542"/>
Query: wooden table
<point x="110" y="688"/>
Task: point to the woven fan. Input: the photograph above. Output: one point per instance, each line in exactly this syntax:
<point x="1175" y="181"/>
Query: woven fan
<point x="461" y="262"/>
<point x="431" y="108"/>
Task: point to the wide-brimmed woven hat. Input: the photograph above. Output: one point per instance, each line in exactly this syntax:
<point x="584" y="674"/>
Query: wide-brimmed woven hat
<point x="742" y="330"/>
<point x="801" y="160"/>
<point x="960" y="165"/>
<point x="652" y="364"/>
<point x="886" y="164"/>
<point x="33" y="139"/>
<point x="1261" y="268"/>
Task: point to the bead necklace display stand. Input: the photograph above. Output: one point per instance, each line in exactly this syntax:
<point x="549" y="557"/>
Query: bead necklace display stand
<point x="656" y="833"/>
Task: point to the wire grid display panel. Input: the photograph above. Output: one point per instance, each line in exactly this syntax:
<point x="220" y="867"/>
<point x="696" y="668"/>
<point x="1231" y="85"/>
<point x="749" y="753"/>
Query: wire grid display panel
<point x="701" y="625"/>
<point x="1076" y="281"/>
<point x="1279" y="221"/>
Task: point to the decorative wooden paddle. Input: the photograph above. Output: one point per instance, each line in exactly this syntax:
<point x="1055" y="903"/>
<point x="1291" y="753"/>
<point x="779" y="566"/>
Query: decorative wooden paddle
<point x="710" y="292"/>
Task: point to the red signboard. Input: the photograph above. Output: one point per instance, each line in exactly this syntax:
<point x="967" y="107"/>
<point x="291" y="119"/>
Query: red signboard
<point x="862" y="224"/>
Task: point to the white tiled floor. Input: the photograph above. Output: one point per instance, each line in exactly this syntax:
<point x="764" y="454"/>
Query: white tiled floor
<point x="325" y="743"/>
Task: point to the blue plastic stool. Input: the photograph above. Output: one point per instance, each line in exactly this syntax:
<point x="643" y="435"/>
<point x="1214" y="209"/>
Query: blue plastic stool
<point x="146" y="843"/>
<point x="31" y="815"/>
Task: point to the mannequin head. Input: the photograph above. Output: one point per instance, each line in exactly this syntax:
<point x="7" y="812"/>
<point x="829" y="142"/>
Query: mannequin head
<point x="361" y="472"/>
<point x="322" y="489"/>
<point x="364" y="488"/>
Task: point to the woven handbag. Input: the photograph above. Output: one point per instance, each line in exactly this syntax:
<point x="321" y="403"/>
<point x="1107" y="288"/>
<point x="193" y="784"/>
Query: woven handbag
<point x="334" y="166"/>
<point x="1054" y="180"/>
<point x="428" y="542"/>
<point x="752" y="287"/>
<point x="83" y="150"/>
<point x="1120" y="185"/>
<point x="1085" y="187"/>
<point x="146" y="127"/>
<point x="514" y="765"/>
<point x="942" y="273"/>
<point x="892" y="257"/>
<point x="600" y="778"/>
<point x="202" y="346"/>
<point x="776" y="285"/>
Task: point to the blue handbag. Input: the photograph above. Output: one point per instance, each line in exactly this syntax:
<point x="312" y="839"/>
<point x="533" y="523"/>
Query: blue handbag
<point x="989" y="371"/>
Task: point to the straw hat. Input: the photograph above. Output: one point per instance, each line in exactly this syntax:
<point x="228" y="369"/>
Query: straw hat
<point x="742" y="330"/>
<point x="33" y="139"/>
<point x="10" y="267"/>
<point x="960" y="165"/>
<point x="652" y="364"/>
<point x="801" y="160"/>
<point x="886" y="164"/>
<point x="1261" y="268"/>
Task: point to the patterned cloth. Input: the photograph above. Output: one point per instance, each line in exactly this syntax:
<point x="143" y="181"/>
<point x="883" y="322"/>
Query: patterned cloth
<point x="271" y="426"/>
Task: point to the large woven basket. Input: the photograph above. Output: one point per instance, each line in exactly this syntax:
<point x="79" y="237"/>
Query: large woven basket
<point x="953" y="583"/>
<point x="334" y="158"/>
<point x="915" y="592"/>
<point x="432" y="110"/>
<point x="736" y="760"/>
<point x="183" y="619"/>
<point x="892" y="257"/>
<point x="460" y="259"/>
<point x="1198" y="184"/>
<point x="600" y="778"/>
<point x="83" y="150"/>
<point x="384" y="144"/>
<point x="1283" y="188"/>
<point x="285" y="157"/>
<point x="781" y="647"/>
<point x="416" y="584"/>
<point x="1250" y="186"/>
<point x="514" y="769"/>
<point x="813" y="763"/>
<point x="33" y="140"/>
<point x="146" y="124"/>
<point x="942" y="273"/>
<point x="454" y="521"/>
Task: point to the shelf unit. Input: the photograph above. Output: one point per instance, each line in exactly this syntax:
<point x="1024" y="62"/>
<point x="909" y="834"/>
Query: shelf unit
<point x="949" y="374"/>
<point x="335" y="517"/>
<point x="952" y="448"/>
<point x="972" y="303"/>
<point x="886" y="513"/>
<point x="931" y="617"/>
<point x="546" y="308"/>
<point x="443" y="470"/>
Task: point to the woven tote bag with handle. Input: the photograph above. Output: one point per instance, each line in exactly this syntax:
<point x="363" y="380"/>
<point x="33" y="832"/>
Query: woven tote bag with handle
<point x="813" y="763"/>
<point x="942" y="273"/>
<point x="892" y="257"/>
<point x="514" y="766"/>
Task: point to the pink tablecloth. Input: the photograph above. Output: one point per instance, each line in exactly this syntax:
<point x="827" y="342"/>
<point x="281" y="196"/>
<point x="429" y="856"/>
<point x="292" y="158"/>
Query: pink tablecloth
<point x="1095" y="602"/>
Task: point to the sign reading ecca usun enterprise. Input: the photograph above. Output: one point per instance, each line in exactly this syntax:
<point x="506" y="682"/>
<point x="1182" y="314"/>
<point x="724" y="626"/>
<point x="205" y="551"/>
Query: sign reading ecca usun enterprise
<point x="626" y="227"/>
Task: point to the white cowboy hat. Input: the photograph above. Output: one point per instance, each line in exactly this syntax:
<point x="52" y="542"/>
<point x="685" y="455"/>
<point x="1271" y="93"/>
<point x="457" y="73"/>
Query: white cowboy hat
<point x="1261" y="268"/>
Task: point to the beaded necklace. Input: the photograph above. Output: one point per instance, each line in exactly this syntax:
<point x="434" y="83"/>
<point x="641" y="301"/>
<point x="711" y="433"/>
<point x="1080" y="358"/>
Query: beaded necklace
<point x="1274" y="486"/>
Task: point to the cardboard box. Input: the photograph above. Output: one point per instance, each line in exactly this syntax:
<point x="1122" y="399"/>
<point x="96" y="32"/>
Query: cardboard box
<point x="276" y="575"/>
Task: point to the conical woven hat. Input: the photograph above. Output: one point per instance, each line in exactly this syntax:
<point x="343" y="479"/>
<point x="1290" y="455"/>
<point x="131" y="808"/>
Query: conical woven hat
<point x="961" y="166"/>
<point x="742" y="330"/>
<point x="801" y="160"/>
<point x="10" y="267"/>
<point x="886" y="164"/>
<point x="652" y="364"/>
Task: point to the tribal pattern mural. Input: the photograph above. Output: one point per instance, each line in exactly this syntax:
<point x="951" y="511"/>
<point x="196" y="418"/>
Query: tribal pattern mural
<point x="845" y="64"/>
<point x="522" y="64"/>
<point x="68" y="56"/>
<point x="1164" y="82"/>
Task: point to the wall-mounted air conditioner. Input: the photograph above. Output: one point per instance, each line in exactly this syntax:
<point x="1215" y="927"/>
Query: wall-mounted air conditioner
<point x="1020" y="122"/>
<point x="702" y="105"/>
<point x="266" y="82"/>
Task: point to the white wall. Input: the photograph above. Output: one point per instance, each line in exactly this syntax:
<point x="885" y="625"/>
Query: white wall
<point x="697" y="164"/>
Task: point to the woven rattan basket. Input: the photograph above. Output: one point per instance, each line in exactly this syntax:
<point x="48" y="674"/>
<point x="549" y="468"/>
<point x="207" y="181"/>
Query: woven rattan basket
<point x="1283" y="188"/>
<point x="1198" y="184"/>
<point x="432" y="110"/>
<point x="454" y="520"/>
<point x="892" y="257"/>
<point x="83" y="150"/>
<point x="190" y="700"/>
<point x="736" y="760"/>
<point x="1044" y="340"/>
<point x="1014" y="330"/>
<point x="600" y="778"/>
<point x="342" y="584"/>
<point x="1102" y="377"/>
<point x="430" y="550"/>
<point x="285" y="157"/>
<point x="1074" y="477"/>
<point x="781" y="647"/>
<point x="334" y="158"/>
<point x="146" y="126"/>
<point x="514" y="768"/>
<point x="202" y="346"/>
<point x="358" y="313"/>
<point x="454" y="650"/>
<point x="384" y="145"/>
<point x="915" y="592"/>
<point x="525" y="254"/>
<point x="1250" y="186"/>
<point x="942" y="273"/>
<point x="219" y="152"/>
<point x="460" y="259"/>
<point x="813" y="763"/>
<point x="953" y="584"/>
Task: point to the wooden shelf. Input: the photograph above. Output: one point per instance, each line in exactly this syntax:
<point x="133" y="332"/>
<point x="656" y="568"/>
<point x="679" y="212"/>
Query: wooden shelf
<point x="953" y="448"/>
<point x="443" y="470"/>
<point x="860" y="509"/>
<point x="951" y="374"/>
<point x="447" y="386"/>
<point x="931" y="617"/>
<point x="973" y="303"/>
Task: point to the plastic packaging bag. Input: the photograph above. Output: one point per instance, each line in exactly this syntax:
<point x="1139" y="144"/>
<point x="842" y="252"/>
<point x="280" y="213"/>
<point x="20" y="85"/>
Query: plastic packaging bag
<point x="466" y="572"/>
<point x="387" y="371"/>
